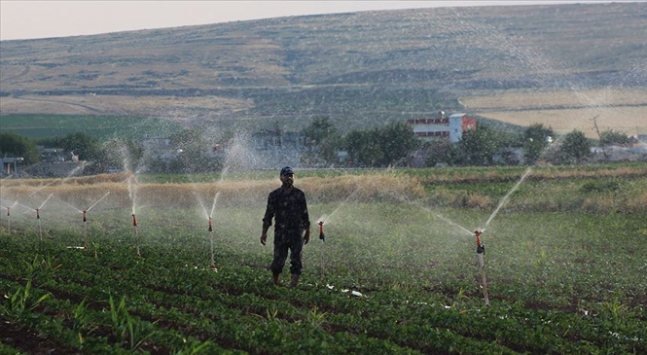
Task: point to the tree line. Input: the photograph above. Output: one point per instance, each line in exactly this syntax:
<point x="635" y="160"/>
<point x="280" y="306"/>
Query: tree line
<point x="393" y="144"/>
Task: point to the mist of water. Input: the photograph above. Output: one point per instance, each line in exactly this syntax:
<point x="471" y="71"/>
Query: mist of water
<point x="507" y="196"/>
<point x="324" y="218"/>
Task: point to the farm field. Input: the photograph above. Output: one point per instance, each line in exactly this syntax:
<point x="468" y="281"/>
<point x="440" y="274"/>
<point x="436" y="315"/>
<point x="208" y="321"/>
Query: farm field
<point x="174" y="109"/>
<point x="397" y="272"/>
<point x="623" y="111"/>
<point x="105" y="127"/>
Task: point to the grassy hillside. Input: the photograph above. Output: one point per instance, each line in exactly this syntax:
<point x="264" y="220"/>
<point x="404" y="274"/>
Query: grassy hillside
<point x="359" y="69"/>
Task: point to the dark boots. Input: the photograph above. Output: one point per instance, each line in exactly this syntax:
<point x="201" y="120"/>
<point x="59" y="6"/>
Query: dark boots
<point x="294" y="281"/>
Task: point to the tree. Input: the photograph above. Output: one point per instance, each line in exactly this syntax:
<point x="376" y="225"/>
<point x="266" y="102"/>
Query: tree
<point x="319" y="130"/>
<point x="81" y="144"/>
<point x="14" y="145"/>
<point x="611" y="137"/>
<point x="187" y="139"/>
<point x="363" y="148"/>
<point x="397" y="142"/>
<point x="191" y="147"/>
<point x="119" y="152"/>
<point x="381" y="146"/>
<point x="575" y="147"/>
<point x="322" y="135"/>
<point x="478" y="146"/>
<point x="535" y="140"/>
<point x="437" y="151"/>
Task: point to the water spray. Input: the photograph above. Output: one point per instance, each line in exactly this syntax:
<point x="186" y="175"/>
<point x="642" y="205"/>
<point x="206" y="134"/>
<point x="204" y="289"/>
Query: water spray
<point x="9" y="217"/>
<point x="213" y="260"/>
<point x="136" y="235"/>
<point x="94" y="204"/>
<point x="85" y="212"/>
<point x="208" y="215"/>
<point x="480" y="251"/>
<point x="322" y="237"/>
<point x="507" y="196"/>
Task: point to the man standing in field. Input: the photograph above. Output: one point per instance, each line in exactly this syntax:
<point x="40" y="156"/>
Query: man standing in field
<point x="287" y="205"/>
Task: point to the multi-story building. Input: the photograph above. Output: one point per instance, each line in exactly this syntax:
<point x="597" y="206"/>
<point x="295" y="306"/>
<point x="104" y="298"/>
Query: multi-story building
<point x="442" y="127"/>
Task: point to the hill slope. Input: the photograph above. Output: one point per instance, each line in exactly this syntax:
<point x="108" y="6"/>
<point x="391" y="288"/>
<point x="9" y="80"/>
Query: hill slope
<point x="360" y="69"/>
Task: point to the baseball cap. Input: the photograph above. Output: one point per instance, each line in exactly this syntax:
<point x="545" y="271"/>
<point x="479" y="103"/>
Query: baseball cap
<point x="287" y="170"/>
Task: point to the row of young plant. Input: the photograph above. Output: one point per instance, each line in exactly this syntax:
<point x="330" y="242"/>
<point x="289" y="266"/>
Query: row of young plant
<point x="247" y="321"/>
<point x="153" y="304"/>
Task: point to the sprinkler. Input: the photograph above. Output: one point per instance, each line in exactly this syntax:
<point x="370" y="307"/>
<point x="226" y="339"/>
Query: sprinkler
<point x="322" y="237"/>
<point x="40" y="226"/>
<point x="480" y="248"/>
<point x="213" y="262"/>
<point x="8" y="219"/>
<point x="480" y="251"/>
<point x="85" y="213"/>
<point x="136" y="234"/>
<point x="85" y="227"/>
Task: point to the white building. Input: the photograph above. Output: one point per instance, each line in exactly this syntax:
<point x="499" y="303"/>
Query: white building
<point x="442" y="127"/>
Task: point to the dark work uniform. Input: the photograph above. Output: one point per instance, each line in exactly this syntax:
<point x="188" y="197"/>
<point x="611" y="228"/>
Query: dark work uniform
<point x="290" y="213"/>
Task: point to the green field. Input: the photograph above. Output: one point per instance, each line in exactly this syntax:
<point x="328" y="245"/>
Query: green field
<point x="36" y="126"/>
<point x="397" y="272"/>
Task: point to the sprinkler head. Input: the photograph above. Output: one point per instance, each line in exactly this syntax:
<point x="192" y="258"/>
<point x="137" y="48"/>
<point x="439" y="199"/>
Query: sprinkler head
<point x="84" y="215"/>
<point x="38" y="213"/>
<point x="322" y="236"/>
<point x="134" y="220"/>
<point x="210" y="225"/>
<point x="480" y="248"/>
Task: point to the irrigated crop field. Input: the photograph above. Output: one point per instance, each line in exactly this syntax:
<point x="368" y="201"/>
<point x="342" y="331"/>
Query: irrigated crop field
<point x="397" y="273"/>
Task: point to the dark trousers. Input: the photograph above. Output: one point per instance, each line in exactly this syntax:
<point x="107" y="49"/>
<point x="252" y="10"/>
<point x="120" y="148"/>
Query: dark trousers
<point x="283" y="242"/>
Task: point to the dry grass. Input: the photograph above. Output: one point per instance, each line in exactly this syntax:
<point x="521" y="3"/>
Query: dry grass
<point x="81" y="180"/>
<point x="623" y="111"/>
<point x="517" y="99"/>
<point x="124" y="191"/>
<point x="170" y="107"/>
<point x="538" y="173"/>
<point x="561" y="191"/>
